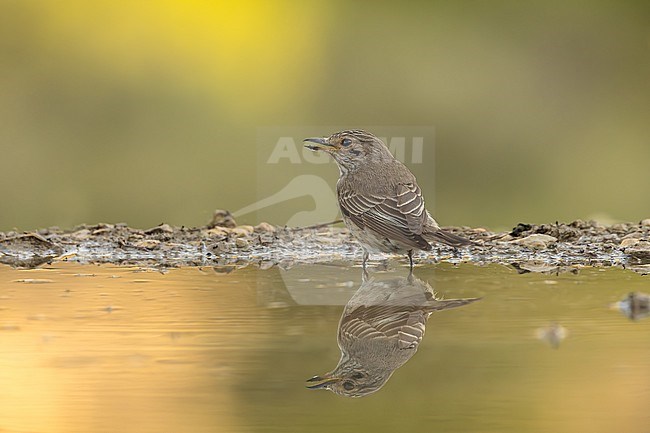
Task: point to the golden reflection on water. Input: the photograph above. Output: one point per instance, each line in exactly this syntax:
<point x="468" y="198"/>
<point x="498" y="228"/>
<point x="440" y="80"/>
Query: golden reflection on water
<point x="113" y="349"/>
<point x="105" y="348"/>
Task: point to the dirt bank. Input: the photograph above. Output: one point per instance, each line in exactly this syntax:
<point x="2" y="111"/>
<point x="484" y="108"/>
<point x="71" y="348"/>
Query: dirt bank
<point x="225" y="245"/>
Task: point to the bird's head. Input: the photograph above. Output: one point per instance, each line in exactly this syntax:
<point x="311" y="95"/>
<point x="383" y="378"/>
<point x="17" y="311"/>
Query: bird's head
<point x="350" y="148"/>
<point x="350" y="381"/>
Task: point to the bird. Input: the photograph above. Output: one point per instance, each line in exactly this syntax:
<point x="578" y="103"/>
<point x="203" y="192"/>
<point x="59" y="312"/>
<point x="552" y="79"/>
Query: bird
<point x="380" y="200"/>
<point x="379" y="331"/>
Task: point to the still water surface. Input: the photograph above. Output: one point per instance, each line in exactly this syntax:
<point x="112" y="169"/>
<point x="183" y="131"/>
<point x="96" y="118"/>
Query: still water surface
<point x="105" y="349"/>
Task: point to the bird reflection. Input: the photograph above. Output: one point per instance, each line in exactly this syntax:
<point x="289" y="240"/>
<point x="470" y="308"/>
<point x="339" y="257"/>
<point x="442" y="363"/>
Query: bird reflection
<point x="379" y="331"/>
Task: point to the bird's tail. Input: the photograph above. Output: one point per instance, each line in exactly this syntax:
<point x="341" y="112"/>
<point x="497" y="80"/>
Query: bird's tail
<point x="448" y="238"/>
<point x="446" y="304"/>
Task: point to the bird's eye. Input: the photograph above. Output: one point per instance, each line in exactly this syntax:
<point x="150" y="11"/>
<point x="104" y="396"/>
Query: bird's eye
<point x="346" y="142"/>
<point x="357" y="376"/>
<point x="349" y="386"/>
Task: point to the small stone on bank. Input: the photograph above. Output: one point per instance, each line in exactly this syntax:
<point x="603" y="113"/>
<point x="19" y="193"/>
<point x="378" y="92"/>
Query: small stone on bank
<point x="537" y="241"/>
<point x="629" y="242"/>
<point x="241" y="231"/>
<point x="162" y="228"/>
<point x="216" y="232"/>
<point x="265" y="228"/>
<point x="146" y="244"/>
<point x="222" y="218"/>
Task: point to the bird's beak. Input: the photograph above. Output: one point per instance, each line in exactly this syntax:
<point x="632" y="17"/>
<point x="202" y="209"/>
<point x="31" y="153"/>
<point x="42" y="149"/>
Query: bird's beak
<point x="322" y="382"/>
<point x="319" y="143"/>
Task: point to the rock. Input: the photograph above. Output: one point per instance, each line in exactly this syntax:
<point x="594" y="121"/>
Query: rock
<point x="224" y="269"/>
<point x="645" y="222"/>
<point x="147" y="244"/>
<point x="594" y="224"/>
<point x="266" y="264"/>
<point x="580" y="224"/>
<point x="241" y="243"/>
<point x="635" y="306"/>
<point x="102" y="231"/>
<point x="519" y="229"/>
<point x="537" y="241"/>
<point x="222" y="218"/>
<point x="219" y="247"/>
<point x="640" y="269"/>
<point x="629" y="242"/>
<point x="81" y="235"/>
<point x="640" y="250"/>
<point x="39" y="249"/>
<point x="264" y="228"/>
<point x="241" y="231"/>
<point x="162" y="228"/>
<point x="565" y="233"/>
<point x="542" y="267"/>
<point x="217" y="232"/>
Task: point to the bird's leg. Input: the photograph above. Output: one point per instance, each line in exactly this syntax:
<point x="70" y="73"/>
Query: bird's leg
<point x="364" y="275"/>
<point x="411" y="260"/>
<point x="366" y="254"/>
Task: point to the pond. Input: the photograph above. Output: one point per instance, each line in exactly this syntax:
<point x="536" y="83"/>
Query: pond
<point x="87" y="348"/>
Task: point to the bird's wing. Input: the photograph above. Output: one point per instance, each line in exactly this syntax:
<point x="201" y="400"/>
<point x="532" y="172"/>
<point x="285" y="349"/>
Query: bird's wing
<point x="399" y="217"/>
<point x="404" y="325"/>
<point x="411" y="204"/>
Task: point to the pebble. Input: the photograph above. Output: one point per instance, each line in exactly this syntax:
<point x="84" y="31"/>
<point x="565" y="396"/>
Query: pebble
<point x="241" y="243"/>
<point x="239" y="232"/>
<point x="266" y="264"/>
<point x="629" y="242"/>
<point x="537" y="241"/>
<point x="147" y="244"/>
<point x="220" y="247"/>
<point x="641" y="250"/>
<point x="222" y="218"/>
<point x="216" y="232"/>
<point x="162" y="228"/>
<point x="645" y="222"/>
<point x="635" y="306"/>
<point x="101" y="231"/>
<point x="81" y="235"/>
<point x="265" y="227"/>
<point x="224" y="269"/>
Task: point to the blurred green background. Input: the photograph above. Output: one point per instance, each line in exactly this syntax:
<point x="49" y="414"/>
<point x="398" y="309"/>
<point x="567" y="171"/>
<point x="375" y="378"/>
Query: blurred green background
<point x="147" y="112"/>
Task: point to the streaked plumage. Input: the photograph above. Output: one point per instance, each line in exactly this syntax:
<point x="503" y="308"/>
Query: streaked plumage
<point x="381" y="202"/>
<point x="380" y="330"/>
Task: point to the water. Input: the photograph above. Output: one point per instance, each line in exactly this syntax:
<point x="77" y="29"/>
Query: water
<point x="105" y="349"/>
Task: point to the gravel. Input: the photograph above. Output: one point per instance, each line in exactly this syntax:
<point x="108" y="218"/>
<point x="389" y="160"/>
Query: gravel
<point x="550" y="248"/>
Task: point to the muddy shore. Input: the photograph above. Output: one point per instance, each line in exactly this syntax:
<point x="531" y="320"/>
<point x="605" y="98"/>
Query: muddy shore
<point x="224" y="245"/>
